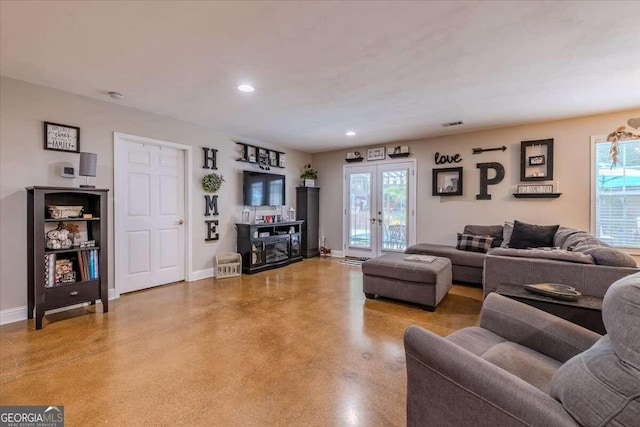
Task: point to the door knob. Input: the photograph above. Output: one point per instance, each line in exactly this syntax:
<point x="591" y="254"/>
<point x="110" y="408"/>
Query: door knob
<point x="180" y="222"/>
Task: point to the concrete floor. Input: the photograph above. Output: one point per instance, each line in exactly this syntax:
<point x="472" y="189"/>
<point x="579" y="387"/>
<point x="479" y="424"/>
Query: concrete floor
<point x="294" y="346"/>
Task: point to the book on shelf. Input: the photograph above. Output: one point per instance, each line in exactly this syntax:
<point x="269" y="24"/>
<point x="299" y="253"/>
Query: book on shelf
<point x="93" y="264"/>
<point x="49" y="270"/>
<point x="83" y="275"/>
<point x="64" y="272"/>
<point x="87" y="266"/>
<point x="96" y="264"/>
<point x="85" y="257"/>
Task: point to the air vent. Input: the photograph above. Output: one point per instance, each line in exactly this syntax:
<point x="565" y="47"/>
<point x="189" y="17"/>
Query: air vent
<point x="448" y="125"/>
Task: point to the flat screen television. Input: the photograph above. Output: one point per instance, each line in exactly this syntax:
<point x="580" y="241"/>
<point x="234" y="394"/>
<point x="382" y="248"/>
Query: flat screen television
<point x="263" y="189"/>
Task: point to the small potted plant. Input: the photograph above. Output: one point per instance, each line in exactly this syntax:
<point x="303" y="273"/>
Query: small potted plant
<point x="309" y="176"/>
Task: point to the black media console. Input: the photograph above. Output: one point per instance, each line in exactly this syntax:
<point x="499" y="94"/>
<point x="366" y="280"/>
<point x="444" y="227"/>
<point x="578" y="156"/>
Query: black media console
<point x="265" y="246"/>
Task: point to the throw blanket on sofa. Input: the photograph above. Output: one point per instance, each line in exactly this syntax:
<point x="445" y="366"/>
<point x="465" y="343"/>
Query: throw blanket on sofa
<point x="547" y="253"/>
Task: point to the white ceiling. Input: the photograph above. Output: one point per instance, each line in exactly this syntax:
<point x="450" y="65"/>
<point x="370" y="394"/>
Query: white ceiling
<point x="391" y="71"/>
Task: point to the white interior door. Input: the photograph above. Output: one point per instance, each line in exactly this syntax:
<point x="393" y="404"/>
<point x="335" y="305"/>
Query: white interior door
<point x="379" y="208"/>
<point x="151" y="248"/>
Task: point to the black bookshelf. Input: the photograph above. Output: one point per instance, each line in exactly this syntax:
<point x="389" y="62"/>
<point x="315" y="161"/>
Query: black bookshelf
<point x="88" y="285"/>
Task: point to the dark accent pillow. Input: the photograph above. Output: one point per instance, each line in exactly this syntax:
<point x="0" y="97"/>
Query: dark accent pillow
<point x="494" y="231"/>
<point x="526" y="236"/>
<point x="471" y="243"/>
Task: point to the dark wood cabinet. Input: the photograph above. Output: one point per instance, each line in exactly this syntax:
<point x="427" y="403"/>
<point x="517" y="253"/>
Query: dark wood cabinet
<point x="265" y="246"/>
<point x="70" y="274"/>
<point x="308" y="209"/>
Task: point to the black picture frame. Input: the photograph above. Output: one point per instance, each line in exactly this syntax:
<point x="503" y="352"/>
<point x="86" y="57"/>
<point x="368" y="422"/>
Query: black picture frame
<point x="536" y="150"/>
<point x="273" y="158"/>
<point x="377" y="153"/>
<point x="536" y="160"/>
<point x="262" y="155"/>
<point x="447" y="182"/>
<point x="251" y="154"/>
<point x="59" y="137"/>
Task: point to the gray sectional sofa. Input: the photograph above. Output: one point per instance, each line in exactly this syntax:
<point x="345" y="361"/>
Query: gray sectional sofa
<point x="576" y="258"/>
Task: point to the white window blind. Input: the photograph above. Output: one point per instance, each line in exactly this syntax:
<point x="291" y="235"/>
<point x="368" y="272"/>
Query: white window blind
<point x="617" y="194"/>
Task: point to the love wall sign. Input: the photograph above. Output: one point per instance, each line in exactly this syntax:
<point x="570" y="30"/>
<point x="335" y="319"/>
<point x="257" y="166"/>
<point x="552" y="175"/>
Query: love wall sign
<point x="442" y="159"/>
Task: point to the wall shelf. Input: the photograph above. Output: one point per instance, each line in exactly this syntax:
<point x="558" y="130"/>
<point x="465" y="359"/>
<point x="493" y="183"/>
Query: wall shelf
<point x="447" y="182"/>
<point x="398" y="155"/>
<point x="263" y="157"/>
<point x="536" y="195"/>
<point x="354" y="160"/>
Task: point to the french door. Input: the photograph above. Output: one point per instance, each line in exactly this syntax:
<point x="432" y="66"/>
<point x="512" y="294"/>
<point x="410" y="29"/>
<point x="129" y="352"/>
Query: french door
<point x="379" y="208"/>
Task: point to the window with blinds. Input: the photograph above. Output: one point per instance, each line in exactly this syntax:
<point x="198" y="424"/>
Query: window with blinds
<point x="617" y="194"/>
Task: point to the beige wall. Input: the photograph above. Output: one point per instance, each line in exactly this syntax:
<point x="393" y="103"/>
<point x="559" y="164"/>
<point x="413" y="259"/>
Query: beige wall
<point x="439" y="218"/>
<point x="24" y="163"/>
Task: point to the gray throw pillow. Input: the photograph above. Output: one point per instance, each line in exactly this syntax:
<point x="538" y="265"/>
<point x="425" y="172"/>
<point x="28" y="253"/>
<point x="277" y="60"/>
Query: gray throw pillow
<point x="506" y="234"/>
<point x="545" y="253"/>
<point x="532" y="236"/>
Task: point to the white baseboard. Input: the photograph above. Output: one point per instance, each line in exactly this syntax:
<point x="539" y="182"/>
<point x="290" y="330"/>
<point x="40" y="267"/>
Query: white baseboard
<point x="17" y="314"/>
<point x="202" y="274"/>
<point x="11" y="315"/>
<point x="337" y="254"/>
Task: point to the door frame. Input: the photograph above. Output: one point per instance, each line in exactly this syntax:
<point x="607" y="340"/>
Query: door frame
<point x="411" y="240"/>
<point x="119" y="235"/>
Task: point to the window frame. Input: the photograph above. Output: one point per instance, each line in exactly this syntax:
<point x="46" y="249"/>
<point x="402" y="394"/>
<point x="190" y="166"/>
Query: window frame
<point x="597" y="139"/>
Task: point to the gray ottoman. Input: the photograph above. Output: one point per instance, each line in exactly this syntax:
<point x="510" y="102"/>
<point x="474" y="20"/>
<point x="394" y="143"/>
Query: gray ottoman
<point x="424" y="283"/>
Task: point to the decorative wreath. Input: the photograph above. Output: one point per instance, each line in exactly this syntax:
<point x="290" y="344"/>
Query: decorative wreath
<point x="212" y="182"/>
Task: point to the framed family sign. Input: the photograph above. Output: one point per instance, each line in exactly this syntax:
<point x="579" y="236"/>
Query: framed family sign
<point x="61" y="137"/>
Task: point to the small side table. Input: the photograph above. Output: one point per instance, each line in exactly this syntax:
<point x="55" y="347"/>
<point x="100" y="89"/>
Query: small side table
<point x="586" y="311"/>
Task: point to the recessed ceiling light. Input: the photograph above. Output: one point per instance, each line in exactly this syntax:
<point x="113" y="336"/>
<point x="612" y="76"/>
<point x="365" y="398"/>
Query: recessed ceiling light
<point x="116" y="95"/>
<point x="246" y="88"/>
<point x="350" y="133"/>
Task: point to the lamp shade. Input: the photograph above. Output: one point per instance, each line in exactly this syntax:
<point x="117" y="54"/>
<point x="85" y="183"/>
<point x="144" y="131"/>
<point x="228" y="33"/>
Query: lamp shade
<point x="88" y="164"/>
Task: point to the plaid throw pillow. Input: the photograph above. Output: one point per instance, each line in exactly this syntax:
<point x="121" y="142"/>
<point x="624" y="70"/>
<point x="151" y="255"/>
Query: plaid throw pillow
<point x="471" y="243"/>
